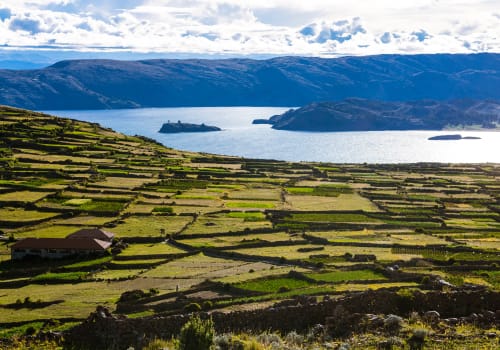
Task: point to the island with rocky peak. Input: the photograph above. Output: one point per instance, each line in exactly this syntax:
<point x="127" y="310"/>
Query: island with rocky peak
<point x="178" y="127"/>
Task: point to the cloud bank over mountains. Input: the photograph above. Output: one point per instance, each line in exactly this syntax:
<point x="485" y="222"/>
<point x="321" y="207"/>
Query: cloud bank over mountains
<point x="280" y="27"/>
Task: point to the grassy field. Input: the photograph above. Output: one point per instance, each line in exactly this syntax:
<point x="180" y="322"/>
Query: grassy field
<point x="21" y="215"/>
<point x="343" y="201"/>
<point x="150" y="226"/>
<point x="236" y="228"/>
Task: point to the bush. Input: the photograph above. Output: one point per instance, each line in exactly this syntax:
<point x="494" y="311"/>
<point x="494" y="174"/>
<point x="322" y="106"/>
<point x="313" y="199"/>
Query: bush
<point x="192" y="307"/>
<point x="158" y="344"/>
<point x="197" y="334"/>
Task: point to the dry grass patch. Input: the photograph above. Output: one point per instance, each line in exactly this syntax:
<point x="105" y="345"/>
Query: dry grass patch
<point x="23" y="196"/>
<point x="86" y="195"/>
<point x="352" y="201"/>
<point x="265" y="194"/>
<point x="150" y="226"/>
<point x="224" y="241"/>
<point x="25" y="216"/>
<point x="292" y="252"/>
<point x="197" y="266"/>
<point x="78" y="300"/>
<point x="52" y="231"/>
<point x="85" y="220"/>
<point x="483" y="243"/>
<point x="63" y="158"/>
<point x="258" y="270"/>
<point x="217" y="224"/>
<point x="124" y="182"/>
<point x="4" y="252"/>
<point x="149" y="249"/>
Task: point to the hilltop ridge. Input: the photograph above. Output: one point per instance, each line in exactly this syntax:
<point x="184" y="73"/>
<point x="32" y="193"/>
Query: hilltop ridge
<point x="280" y="81"/>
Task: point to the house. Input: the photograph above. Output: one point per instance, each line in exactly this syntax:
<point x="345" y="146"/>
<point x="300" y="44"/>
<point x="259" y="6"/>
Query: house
<point x="95" y="233"/>
<point x="57" y="247"/>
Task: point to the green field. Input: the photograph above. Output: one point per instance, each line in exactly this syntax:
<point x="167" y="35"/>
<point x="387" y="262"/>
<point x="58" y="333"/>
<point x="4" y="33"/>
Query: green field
<point x="242" y="234"/>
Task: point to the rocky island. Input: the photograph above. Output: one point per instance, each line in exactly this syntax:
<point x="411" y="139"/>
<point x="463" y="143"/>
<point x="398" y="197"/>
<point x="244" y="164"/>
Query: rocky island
<point x="174" y="128"/>
<point x="358" y="114"/>
<point x="452" y="137"/>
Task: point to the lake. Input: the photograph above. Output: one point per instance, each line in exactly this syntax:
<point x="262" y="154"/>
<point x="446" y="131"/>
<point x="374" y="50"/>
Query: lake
<point x="241" y="138"/>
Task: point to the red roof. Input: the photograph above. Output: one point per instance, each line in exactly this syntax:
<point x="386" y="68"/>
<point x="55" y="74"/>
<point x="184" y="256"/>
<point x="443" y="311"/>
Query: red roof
<point x="92" y="233"/>
<point x="62" y="243"/>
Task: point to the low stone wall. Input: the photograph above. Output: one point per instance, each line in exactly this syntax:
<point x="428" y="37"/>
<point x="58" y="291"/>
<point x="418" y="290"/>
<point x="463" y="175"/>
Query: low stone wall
<point x="104" y="331"/>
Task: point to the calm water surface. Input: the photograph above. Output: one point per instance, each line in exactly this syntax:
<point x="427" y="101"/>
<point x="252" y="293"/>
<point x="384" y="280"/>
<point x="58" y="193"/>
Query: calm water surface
<point x="240" y="138"/>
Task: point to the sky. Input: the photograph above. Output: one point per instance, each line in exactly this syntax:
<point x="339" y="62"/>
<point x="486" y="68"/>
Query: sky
<point x="252" y="27"/>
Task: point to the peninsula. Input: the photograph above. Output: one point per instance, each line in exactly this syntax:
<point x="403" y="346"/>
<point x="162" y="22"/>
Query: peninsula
<point x="358" y="114"/>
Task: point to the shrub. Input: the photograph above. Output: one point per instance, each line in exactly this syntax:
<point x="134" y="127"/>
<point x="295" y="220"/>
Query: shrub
<point x="207" y="304"/>
<point x="293" y="338"/>
<point x="192" y="307"/>
<point x="283" y="289"/>
<point x="158" y="344"/>
<point x="426" y="280"/>
<point x="197" y="334"/>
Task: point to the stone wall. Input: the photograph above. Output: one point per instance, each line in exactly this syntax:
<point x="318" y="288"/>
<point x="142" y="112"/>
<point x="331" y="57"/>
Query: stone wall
<point x="102" y="330"/>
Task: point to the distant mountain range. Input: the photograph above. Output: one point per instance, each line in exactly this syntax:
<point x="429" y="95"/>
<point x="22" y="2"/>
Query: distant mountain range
<point x="282" y="81"/>
<point x="364" y="115"/>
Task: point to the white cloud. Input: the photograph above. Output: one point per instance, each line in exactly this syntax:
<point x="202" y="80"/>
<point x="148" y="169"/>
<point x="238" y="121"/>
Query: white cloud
<point x="313" y="27"/>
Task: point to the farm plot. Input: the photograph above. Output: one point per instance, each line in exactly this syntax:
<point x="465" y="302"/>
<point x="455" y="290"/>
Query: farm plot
<point x="67" y="300"/>
<point x="23" y="216"/>
<point x="211" y="223"/>
<point x="273" y="284"/>
<point x="333" y="218"/>
<point x="473" y="223"/>
<point x="4" y="252"/>
<point x="250" y="204"/>
<point x="52" y="231"/>
<point x="23" y="196"/>
<point x="304" y="252"/>
<point x="256" y="194"/>
<point x="257" y="271"/>
<point x="198" y="266"/>
<point x="151" y="226"/>
<point x="124" y="182"/>
<point x="343" y="276"/>
<point x="225" y="241"/>
<point x="352" y="201"/>
<point x="86" y="220"/>
<point x="134" y="250"/>
<point x="482" y="243"/>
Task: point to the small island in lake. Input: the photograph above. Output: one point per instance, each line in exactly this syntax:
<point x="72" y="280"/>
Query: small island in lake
<point x="173" y="128"/>
<point x="452" y="137"/>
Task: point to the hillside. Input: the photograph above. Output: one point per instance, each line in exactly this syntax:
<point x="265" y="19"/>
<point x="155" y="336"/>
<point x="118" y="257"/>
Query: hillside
<point x="282" y="81"/>
<point x="262" y="245"/>
<point x="366" y="115"/>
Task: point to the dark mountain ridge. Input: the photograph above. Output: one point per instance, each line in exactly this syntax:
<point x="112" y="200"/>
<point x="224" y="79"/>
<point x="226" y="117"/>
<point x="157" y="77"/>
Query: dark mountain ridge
<point x="281" y="81"/>
<point x="357" y="114"/>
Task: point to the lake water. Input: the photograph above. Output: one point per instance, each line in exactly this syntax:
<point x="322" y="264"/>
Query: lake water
<point x="240" y="138"/>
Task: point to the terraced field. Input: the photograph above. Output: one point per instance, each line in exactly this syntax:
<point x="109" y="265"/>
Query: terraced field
<point x="232" y="231"/>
